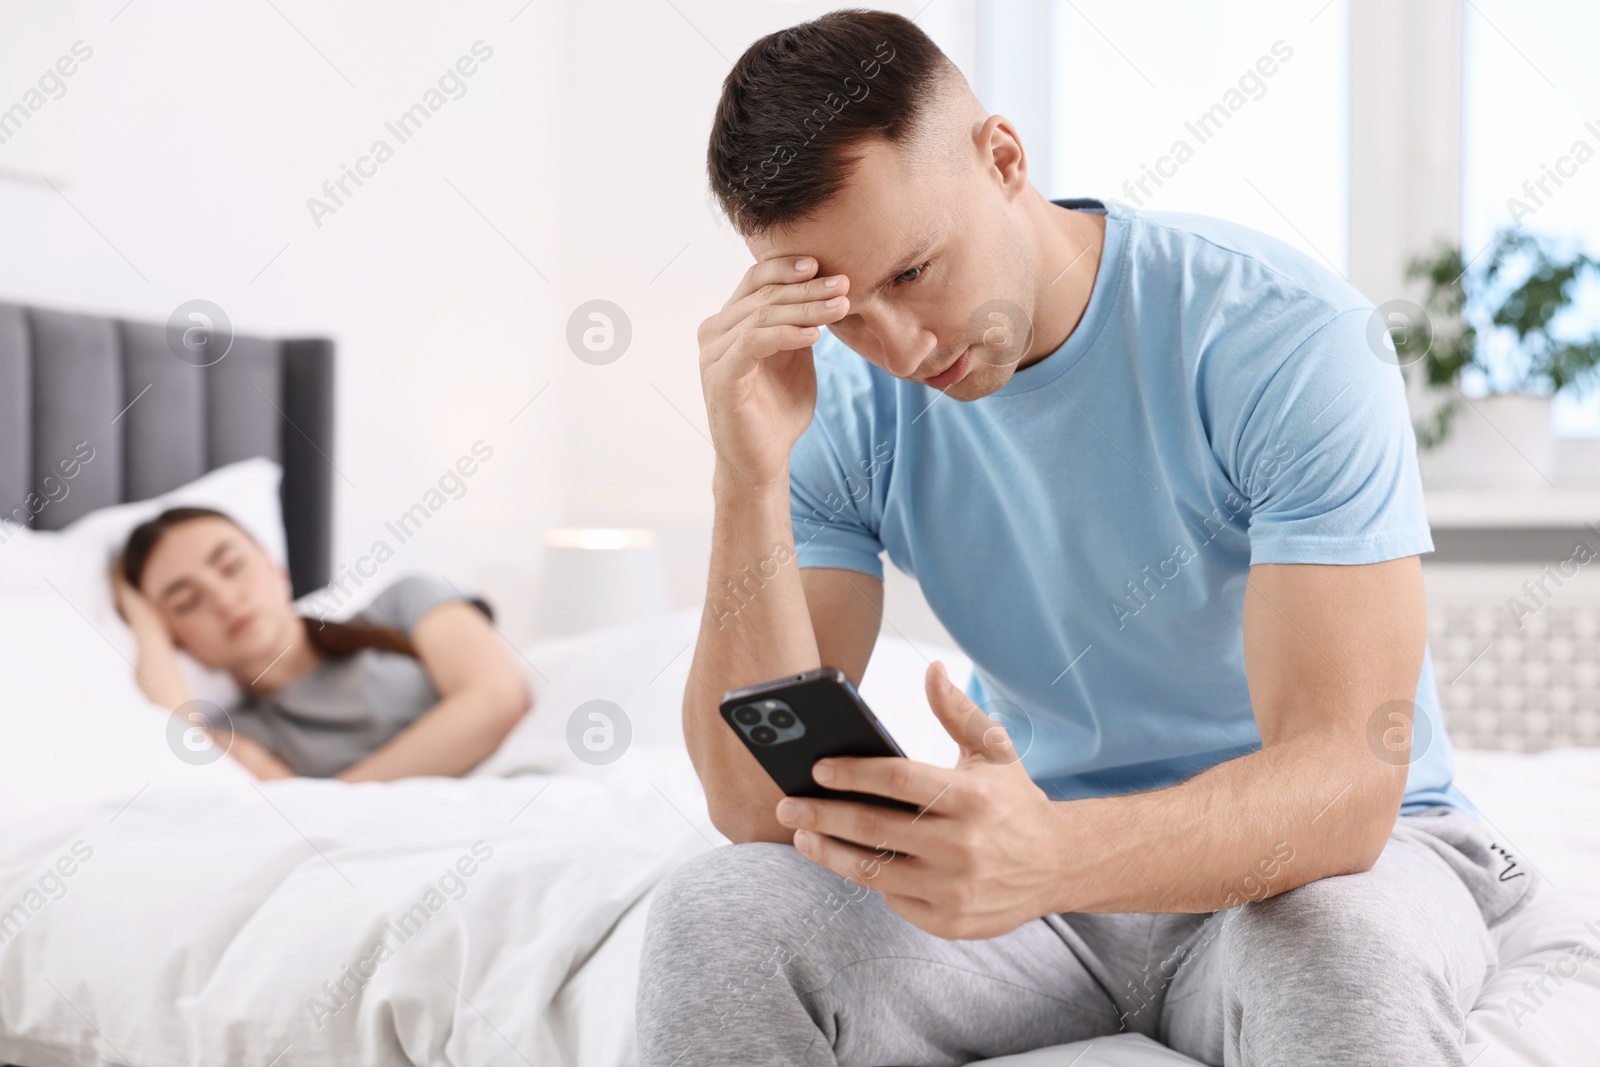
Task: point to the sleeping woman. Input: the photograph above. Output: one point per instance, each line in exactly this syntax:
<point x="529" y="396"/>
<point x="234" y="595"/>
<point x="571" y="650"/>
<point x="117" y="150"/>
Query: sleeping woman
<point x="418" y="684"/>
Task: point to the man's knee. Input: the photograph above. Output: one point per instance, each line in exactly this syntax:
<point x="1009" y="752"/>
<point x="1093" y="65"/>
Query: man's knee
<point x="706" y="899"/>
<point x="732" y="885"/>
<point x="739" y="904"/>
<point x="736" y="927"/>
<point x="1378" y="967"/>
<point x="1349" y="936"/>
<point x="1318" y="918"/>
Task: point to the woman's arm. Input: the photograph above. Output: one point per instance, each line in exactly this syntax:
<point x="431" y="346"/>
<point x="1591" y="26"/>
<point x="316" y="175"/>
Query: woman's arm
<point x="482" y="693"/>
<point x="251" y="754"/>
<point x="157" y="668"/>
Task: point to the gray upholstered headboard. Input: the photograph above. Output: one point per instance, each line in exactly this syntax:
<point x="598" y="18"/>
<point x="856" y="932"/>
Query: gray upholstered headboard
<point x="156" y="421"/>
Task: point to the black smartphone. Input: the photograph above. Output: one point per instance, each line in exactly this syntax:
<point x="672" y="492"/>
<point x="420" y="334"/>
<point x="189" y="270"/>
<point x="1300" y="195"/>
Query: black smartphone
<point x="791" y="722"/>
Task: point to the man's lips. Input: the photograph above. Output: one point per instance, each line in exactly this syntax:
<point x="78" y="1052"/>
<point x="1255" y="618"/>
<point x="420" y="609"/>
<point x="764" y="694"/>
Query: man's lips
<point x="951" y="374"/>
<point x="241" y="624"/>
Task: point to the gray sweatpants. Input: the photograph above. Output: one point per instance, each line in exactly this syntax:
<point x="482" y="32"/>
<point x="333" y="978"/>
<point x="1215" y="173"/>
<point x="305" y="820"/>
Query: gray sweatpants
<point x="754" y="955"/>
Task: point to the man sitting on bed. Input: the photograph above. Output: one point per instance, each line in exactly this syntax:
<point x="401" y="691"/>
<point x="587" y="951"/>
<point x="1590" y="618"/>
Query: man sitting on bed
<point x="1160" y="486"/>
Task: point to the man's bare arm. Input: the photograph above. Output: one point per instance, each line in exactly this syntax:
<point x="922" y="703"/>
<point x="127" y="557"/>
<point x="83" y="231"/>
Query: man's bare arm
<point x="795" y="621"/>
<point x="761" y="620"/>
<point x="756" y="627"/>
<point x="748" y="633"/>
<point x="1329" y="651"/>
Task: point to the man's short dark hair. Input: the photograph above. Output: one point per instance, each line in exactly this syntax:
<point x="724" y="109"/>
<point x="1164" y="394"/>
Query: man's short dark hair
<point x="798" y="105"/>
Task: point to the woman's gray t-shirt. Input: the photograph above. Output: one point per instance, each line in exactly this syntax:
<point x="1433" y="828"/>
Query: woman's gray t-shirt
<point x="348" y="707"/>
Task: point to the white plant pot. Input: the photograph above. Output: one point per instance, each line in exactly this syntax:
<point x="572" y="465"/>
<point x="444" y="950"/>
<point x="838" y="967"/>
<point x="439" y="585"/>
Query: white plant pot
<point x="1498" y="442"/>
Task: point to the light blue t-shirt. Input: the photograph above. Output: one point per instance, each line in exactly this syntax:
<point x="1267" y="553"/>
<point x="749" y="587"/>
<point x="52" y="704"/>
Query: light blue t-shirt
<point x="1085" y="533"/>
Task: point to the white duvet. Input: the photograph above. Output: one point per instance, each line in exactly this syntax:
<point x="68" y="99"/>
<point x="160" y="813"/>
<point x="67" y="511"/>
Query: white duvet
<point x="181" y="915"/>
<point x="308" y="922"/>
<point x="155" y="912"/>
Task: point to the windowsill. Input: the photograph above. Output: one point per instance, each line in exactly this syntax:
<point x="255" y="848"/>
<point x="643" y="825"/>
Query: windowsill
<point x="1482" y="509"/>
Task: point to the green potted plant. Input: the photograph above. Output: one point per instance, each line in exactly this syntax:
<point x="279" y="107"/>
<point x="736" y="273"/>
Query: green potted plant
<point x="1500" y="320"/>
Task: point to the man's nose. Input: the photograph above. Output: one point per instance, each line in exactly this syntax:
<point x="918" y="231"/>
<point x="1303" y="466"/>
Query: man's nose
<point x="905" y="348"/>
<point x="903" y="345"/>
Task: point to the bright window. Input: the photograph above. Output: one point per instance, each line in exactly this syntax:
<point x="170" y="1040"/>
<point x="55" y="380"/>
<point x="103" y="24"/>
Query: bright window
<point x="1235" y="109"/>
<point x="1532" y="112"/>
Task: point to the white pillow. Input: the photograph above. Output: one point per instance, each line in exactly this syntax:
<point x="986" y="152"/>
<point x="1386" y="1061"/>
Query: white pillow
<point x="75" y="724"/>
<point x="643" y="667"/>
<point x="77" y="559"/>
<point x="640" y="667"/>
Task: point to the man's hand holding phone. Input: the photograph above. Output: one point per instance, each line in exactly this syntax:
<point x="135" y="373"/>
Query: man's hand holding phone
<point x="988" y="850"/>
<point x="755" y="364"/>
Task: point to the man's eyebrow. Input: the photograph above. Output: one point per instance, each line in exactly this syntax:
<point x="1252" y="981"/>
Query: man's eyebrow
<point x="909" y="259"/>
<point x="220" y="551"/>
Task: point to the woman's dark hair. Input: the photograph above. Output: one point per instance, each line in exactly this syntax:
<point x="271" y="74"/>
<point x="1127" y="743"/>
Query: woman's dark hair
<point x="799" y="103"/>
<point x="332" y="639"/>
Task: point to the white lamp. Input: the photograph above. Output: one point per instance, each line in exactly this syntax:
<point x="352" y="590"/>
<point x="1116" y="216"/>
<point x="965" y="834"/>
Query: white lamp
<point x="596" y="577"/>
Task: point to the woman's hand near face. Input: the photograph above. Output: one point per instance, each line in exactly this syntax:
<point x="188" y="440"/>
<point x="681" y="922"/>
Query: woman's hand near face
<point x="141" y="615"/>
<point x="157" y="669"/>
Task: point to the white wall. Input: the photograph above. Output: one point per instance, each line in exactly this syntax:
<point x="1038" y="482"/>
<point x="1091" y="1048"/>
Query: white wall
<point x="185" y="149"/>
<point x="194" y="136"/>
<point x="1132" y="82"/>
<point x="640" y="83"/>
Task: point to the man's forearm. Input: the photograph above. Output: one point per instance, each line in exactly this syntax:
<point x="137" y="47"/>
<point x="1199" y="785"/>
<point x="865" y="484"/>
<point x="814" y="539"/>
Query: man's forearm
<point x="1249" y="828"/>
<point x="755" y="626"/>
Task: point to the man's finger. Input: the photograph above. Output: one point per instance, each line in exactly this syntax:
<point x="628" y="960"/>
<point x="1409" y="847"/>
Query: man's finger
<point x="884" y="776"/>
<point x="868" y="825"/>
<point x="882" y="870"/>
<point x="748" y="349"/>
<point x="779" y="270"/>
<point x="784" y="291"/>
<point x="804" y="304"/>
<point x="979" y="734"/>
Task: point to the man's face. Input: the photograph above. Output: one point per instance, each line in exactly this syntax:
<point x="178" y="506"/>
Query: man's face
<point x="938" y="262"/>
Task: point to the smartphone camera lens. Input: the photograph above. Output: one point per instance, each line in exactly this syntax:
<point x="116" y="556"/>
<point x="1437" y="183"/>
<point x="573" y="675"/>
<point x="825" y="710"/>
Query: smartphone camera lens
<point x="763" y="735"/>
<point x="782" y="718"/>
<point x="747" y="715"/>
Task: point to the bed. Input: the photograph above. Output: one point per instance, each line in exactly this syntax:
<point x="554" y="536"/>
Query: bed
<point x="159" y="911"/>
<point x="229" y="921"/>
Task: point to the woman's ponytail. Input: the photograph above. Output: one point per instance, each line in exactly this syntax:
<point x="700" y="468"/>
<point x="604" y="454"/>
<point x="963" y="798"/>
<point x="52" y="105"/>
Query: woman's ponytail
<point x="339" y="639"/>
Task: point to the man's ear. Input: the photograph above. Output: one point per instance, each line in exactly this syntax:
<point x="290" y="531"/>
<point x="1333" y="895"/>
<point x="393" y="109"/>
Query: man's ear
<point x="1002" y="155"/>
